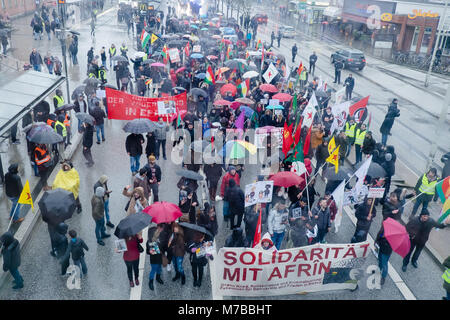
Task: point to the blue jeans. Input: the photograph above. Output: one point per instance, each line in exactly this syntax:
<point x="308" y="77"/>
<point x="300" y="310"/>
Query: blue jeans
<point x="358" y="153"/>
<point x="156" y="268"/>
<point x="107" y="210"/>
<point x="384" y="138"/>
<point x="17" y="277"/>
<point x="14" y="204"/>
<point x="134" y="163"/>
<point x="100" y="228"/>
<point x="50" y="68"/>
<point x="383" y="260"/>
<point x="79" y="126"/>
<point x="277" y="239"/>
<point x="81" y="264"/>
<point x="178" y="264"/>
<point x="37" y="67"/>
<point x="158" y="144"/>
<point x="48" y="34"/>
<point x="74" y="59"/>
<point x="100" y="128"/>
<point x="422" y="199"/>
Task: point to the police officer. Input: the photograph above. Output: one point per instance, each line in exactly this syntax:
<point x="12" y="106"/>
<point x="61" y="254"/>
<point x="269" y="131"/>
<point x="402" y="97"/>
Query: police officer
<point x="338" y="66"/>
<point x="60" y="128"/>
<point x="58" y="99"/>
<point x="350" y="131"/>
<point x="312" y="62"/>
<point x="112" y="53"/>
<point x="294" y="52"/>
<point x="359" y="141"/>
<point x="426" y="187"/>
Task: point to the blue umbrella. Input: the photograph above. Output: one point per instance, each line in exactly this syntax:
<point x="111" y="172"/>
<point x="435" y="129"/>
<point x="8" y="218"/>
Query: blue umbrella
<point x="196" y="56"/>
<point x="228" y="31"/>
<point x="194" y="26"/>
<point x="278" y="107"/>
<point x="248" y="111"/>
<point x="201" y="75"/>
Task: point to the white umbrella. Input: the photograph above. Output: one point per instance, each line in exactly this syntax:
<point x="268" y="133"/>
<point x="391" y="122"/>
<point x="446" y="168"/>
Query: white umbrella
<point x="139" y="54"/>
<point x="250" y="74"/>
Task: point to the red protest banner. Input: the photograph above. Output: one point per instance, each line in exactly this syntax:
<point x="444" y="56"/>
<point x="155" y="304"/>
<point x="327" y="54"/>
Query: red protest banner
<point x="125" y="106"/>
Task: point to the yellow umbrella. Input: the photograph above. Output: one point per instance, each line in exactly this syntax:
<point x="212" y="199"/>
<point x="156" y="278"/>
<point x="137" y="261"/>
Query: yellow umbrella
<point x="249" y="146"/>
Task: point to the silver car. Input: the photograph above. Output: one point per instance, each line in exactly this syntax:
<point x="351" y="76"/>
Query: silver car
<point x="288" y="32"/>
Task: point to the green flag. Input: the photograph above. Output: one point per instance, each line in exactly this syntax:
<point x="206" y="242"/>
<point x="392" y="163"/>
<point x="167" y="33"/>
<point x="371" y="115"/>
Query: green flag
<point x="294" y="104"/>
<point x="298" y="153"/>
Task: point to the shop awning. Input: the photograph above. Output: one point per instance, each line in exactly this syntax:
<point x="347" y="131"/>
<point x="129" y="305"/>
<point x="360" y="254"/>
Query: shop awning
<point x="22" y="91"/>
<point x="332" y="12"/>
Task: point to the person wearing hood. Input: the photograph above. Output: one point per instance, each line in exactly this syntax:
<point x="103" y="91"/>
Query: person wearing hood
<point x="88" y="141"/>
<point x="236" y="200"/>
<point x="13" y="189"/>
<point x="177" y="248"/>
<point x="133" y="145"/>
<point x="187" y="203"/>
<point x="277" y="223"/>
<point x="98" y="213"/>
<point x="230" y="175"/>
<point x="419" y="229"/>
<point x="266" y="243"/>
<point x="61" y="244"/>
<point x="197" y="257"/>
<point x="140" y="180"/>
<point x="213" y="173"/>
<point x="365" y="213"/>
<point x="69" y="179"/>
<point x="102" y="182"/>
<point x="137" y="201"/>
<point x="11" y="257"/>
<point x="322" y="217"/>
<point x="369" y="143"/>
<point x="208" y="219"/>
<point x="236" y="239"/>
<point x="76" y="249"/>
<point x="251" y="222"/>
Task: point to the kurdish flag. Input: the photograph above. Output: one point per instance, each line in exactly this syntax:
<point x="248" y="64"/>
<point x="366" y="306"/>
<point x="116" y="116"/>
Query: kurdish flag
<point x="443" y="191"/>
<point x="154" y="38"/>
<point x="244" y="85"/>
<point x="258" y="44"/>
<point x="210" y="76"/>
<point x="334" y="159"/>
<point x="298" y="153"/>
<point x="165" y="54"/>
<point x="300" y="68"/>
<point x="25" y="195"/>
<point x="228" y="52"/>
<point x="145" y="38"/>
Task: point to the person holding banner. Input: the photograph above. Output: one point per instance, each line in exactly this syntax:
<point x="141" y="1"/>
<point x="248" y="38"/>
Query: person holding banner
<point x="322" y="217"/>
<point x="277" y="223"/>
<point x="251" y="221"/>
<point x="13" y="189"/>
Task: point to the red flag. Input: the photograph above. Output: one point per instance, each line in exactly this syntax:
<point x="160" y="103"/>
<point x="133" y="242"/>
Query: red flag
<point x="298" y="130"/>
<point x="287" y="138"/>
<point x="307" y="143"/>
<point x="257" y="238"/>
<point x="359" y="108"/>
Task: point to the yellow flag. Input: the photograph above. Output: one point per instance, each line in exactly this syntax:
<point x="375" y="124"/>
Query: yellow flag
<point x="331" y="145"/>
<point x="334" y="159"/>
<point x="154" y="38"/>
<point x="25" y="196"/>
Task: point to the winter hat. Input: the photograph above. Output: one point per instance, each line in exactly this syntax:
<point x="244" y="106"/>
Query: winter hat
<point x="388" y="157"/>
<point x="99" y="192"/>
<point x="231" y="168"/>
<point x="103" y="179"/>
<point x="61" y="118"/>
<point x="425" y="212"/>
<point x="7" y="238"/>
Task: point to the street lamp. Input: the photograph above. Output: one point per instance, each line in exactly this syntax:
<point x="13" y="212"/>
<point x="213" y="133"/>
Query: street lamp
<point x="61" y="35"/>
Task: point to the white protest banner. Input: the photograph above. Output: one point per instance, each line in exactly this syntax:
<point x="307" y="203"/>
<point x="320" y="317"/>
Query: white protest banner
<point x="255" y="272"/>
<point x="340" y="113"/>
<point x="339" y="95"/>
<point x="197" y="48"/>
<point x="174" y="55"/>
<point x="351" y="198"/>
<point x="100" y="93"/>
<point x="258" y="192"/>
<point x="376" y="193"/>
<point x="274" y="102"/>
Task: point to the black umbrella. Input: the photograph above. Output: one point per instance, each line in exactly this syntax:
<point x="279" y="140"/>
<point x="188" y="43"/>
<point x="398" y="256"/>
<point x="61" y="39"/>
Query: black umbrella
<point x="66" y="107"/>
<point x="139" y="126"/>
<point x="321" y="94"/>
<point x="78" y="90"/>
<point x="84" y="117"/>
<point x="119" y="58"/>
<point x="375" y="170"/>
<point x="57" y="206"/>
<point x="92" y="82"/>
<point x="179" y="89"/>
<point x="148" y="61"/>
<point x="198" y="92"/>
<point x="343" y="174"/>
<point x="195" y="227"/>
<point x="189" y="174"/>
<point x="33" y="126"/>
<point x="132" y="224"/>
<point x="44" y="135"/>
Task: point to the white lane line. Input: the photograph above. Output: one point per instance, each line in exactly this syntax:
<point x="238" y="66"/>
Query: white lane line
<point x="400" y="284"/>
<point x="136" y="291"/>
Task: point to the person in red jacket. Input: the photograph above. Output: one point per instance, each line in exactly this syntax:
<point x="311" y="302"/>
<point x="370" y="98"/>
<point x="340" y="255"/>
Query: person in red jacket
<point x="231" y="175"/>
<point x="331" y="204"/>
<point x="131" y="258"/>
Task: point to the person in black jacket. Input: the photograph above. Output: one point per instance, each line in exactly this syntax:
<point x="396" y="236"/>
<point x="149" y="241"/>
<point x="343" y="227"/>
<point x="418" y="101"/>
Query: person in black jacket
<point x="133" y="146"/>
<point x="384" y="254"/>
<point x="368" y="146"/>
<point x="294" y="52"/>
<point x="197" y="258"/>
<point x="392" y="207"/>
<point x="13" y="189"/>
<point x="208" y="220"/>
<point x="338" y="66"/>
<point x="388" y="122"/>
<point x="80" y="106"/>
<point x="153" y="176"/>
<point x="236" y="198"/>
<point x="213" y="173"/>
<point x="349" y="84"/>
<point x="321" y="155"/>
<point x="150" y="149"/>
<point x="76" y="248"/>
<point x="188" y="202"/>
<point x="389" y="166"/>
<point x="236" y="239"/>
<point x="365" y="213"/>
<point x="11" y="257"/>
<point x="251" y="221"/>
<point x="61" y="245"/>
<point x="99" y="116"/>
<point x="312" y="62"/>
<point x="88" y="141"/>
<point x="419" y="229"/>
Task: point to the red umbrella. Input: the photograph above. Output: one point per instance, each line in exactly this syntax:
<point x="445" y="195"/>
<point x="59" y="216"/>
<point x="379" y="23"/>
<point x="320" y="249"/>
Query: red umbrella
<point x="212" y="57"/>
<point x="397" y="236"/>
<point x="286" y="179"/>
<point x="228" y="88"/>
<point x="222" y="102"/>
<point x="163" y="211"/>
<point x="182" y="113"/>
<point x="283" y="97"/>
<point x="245" y="101"/>
<point x="234" y="105"/>
<point x="180" y="69"/>
<point x="226" y="41"/>
<point x="268" y="88"/>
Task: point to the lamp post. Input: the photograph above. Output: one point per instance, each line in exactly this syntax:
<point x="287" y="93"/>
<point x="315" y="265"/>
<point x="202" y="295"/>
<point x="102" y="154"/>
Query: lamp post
<point x="61" y="34"/>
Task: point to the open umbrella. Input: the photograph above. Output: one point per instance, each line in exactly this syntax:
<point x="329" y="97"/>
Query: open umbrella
<point x="132" y="224"/>
<point x="222" y="102"/>
<point x="286" y="179"/>
<point x="198" y="92"/>
<point x="44" y="135"/>
<point x="245" y="101"/>
<point x="78" y="90"/>
<point x="397" y="236"/>
<point x="66" y="107"/>
<point x="375" y="170"/>
<point x="200" y="75"/>
<point x="178" y="89"/>
<point x="148" y="61"/>
<point x="180" y="69"/>
<point x="331" y="175"/>
<point x="277" y="107"/>
<point x="33" y="127"/>
<point x="139" y="54"/>
<point x="216" y="37"/>
<point x="199" y="145"/>
<point x="235" y="105"/>
<point x="157" y="64"/>
<point x="228" y="88"/>
<point x="196" y="56"/>
<point x="57" y="206"/>
<point x="163" y="212"/>
<point x="92" y="82"/>
<point x="195" y="228"/>
<point x="282" y="97"/>
<point x="268" y="88"/>
<point x="139" y="126"/>
<point x="84" y="117"/>
<point x="234" y="64"/>
<point x="250" y="74"/>
<point x="248" y="111"/>
<point x="211" y="57"/>
<point x="189" y="174"/>
<point x="119" y="58"/>
<point x="235" y="149"/>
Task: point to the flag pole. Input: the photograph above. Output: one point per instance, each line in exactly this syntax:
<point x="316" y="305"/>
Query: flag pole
<point x="10" y="220"/>
<point x="307" y="192"/>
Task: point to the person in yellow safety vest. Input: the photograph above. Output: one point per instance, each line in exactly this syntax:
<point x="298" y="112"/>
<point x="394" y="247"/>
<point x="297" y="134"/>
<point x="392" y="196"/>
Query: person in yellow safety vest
<point x="446" y="277"/>
<point x="426" y="187"/>
<point x="58" y="99"/>
<point x="124" y="50"/>
<point x="61" y="129"/>
<point x="350" y="130"/>
<point x="67" y="124"/>
<point x="112" y="53"/>
<point x="102" y="75"/>
<point x="359" y="140"/>
<point x="42" y="160"/>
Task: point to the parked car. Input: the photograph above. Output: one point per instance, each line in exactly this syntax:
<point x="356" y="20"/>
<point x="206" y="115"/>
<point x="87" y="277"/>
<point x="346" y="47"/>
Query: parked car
<point x="350" y="58"/>
<point x="288" y="32"/>
<point x="261" y="18"/>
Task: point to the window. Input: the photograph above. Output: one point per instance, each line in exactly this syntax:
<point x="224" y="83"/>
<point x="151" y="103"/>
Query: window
<point x="425" y="40"/>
